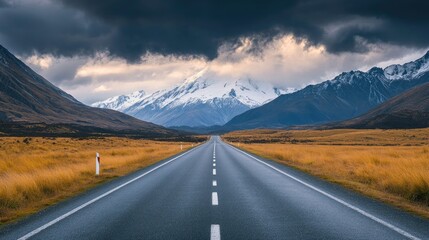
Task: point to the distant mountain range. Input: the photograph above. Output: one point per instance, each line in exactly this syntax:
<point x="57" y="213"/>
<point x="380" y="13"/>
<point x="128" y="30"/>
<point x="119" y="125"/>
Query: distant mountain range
<point x="407" y="110"/>
<point x="394" y="97"/>
<point x="201" y="100"/>
<point x="31" y="104"/>
<point x="346" y="96"/>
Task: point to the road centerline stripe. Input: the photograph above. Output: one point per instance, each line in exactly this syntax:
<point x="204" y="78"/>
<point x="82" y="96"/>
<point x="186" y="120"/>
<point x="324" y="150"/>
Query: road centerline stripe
<point x="214" y="171"/>
<point x="71" y="212"/>
<point x="215" y="232"/>
<point x="214" y="183"/>
<point x="215" y="200"/>
<point x="344" y="203"/>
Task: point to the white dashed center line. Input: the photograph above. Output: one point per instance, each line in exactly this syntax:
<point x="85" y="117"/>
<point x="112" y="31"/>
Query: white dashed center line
<point x="215" y="228"/>
<point x="215" y="201"/>
<point x="215" y="232"/>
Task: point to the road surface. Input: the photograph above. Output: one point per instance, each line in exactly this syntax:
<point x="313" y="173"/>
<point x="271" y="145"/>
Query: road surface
<point x="216" y="191"/>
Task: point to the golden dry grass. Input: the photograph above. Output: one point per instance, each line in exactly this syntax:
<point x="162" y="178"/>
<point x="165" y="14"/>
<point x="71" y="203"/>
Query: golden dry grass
<point x="392" y="166"/>
<point x="38" y="172"/>
<point x="377" y="137"/>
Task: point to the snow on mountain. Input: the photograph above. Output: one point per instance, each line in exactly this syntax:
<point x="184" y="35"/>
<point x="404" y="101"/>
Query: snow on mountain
<point x="380" y="83"/>
<point x="122" y="102"/>
<point x="348" y="95"/>
<point x="203" y="87"/>
<point x="201" y="100"/>
<point x="409" y="70"/>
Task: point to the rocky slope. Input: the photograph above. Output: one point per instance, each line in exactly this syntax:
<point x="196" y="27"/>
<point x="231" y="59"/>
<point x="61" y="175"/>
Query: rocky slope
<point x="407" y="110"/>
<point x="29" y="103"/>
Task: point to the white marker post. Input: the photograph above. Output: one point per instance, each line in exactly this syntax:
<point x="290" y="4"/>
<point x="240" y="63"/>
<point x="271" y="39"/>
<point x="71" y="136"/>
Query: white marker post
<point x="97" y="164"/>
<point x="181" y="146"/>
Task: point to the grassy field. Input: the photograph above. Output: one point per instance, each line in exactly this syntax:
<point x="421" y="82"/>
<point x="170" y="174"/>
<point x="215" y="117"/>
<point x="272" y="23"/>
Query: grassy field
<point x="37" y="172"/>
<point x="390" y="165"/>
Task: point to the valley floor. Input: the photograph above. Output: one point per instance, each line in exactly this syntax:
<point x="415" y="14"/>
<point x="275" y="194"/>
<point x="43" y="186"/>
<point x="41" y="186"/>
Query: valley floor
<point x="390" y="165"/>
<point x="38" y="172"/>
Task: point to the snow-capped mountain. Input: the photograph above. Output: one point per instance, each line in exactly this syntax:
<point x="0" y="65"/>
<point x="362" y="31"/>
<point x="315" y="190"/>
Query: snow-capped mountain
<point x="122" y="102"/>
<point x="201" y="100"/>
<point x="409" y="70"/>
<point x="346" y="96"/>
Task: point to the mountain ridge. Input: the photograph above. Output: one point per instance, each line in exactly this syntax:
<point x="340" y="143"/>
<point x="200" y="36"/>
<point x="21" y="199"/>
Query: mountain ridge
<point x="346" y="96"/>
<point x="201" y="100"/>
<point x="406" y="110"/>
<point x="28" y="102"/>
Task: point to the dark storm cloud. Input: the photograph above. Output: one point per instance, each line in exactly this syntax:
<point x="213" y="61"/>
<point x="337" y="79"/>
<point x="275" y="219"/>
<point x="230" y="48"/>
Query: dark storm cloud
<point x="47" y="28"/>
<point x="130" y="28"/>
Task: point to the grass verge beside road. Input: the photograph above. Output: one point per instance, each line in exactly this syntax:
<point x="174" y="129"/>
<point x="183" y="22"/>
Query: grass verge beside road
<point x="38" y="172"/>
<point x="392" y="166"/>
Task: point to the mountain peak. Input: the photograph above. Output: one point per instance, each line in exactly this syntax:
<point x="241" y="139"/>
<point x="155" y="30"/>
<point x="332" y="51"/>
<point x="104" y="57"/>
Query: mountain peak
<point x="202" y="99"/>
<point x="195" y="77"/>
<point x="408" y="70"/>
<point x="376" y="71"/>
<point x="121" y="102"/>
<point x="346" y="96"/>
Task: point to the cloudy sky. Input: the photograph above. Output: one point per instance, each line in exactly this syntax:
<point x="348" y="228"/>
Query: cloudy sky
<point x="98" y="49"/>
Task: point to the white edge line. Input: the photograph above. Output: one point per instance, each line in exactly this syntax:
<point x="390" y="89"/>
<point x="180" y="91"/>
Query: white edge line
<point x="366" y="214"/>
<point x="43" y="227"/>
<point x="215" y="232"/>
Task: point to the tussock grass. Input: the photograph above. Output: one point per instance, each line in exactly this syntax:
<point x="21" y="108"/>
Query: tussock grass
<point x="37" y="172"/>
<point x="375" y="137"/>
<point x="395" y="171"/>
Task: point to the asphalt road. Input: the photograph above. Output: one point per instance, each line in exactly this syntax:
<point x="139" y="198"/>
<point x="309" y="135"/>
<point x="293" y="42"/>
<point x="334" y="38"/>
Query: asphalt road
<point x="218" y="192"/>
